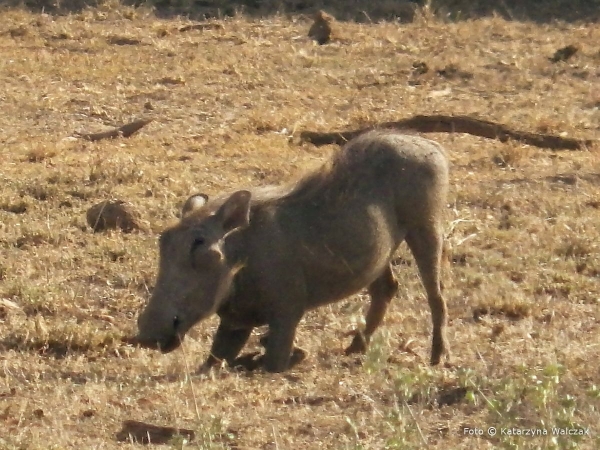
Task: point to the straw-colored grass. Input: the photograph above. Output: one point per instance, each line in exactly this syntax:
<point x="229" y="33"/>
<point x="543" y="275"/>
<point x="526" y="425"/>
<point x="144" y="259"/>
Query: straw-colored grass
<point x="523" y="273"/>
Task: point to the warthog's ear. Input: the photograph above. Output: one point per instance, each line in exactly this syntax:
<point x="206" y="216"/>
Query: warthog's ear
<point x="235" y="212"/>
<point x="193" y="203"/>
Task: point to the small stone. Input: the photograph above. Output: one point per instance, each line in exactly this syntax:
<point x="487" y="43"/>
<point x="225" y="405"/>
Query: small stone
<point x="88" y="413"/>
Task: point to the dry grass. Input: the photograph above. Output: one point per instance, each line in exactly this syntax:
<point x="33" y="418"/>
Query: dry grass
<point x="523" y="281"/>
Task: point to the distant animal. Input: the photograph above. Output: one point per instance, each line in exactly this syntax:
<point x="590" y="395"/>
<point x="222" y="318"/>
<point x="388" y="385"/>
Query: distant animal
<point x="266" y="256"/>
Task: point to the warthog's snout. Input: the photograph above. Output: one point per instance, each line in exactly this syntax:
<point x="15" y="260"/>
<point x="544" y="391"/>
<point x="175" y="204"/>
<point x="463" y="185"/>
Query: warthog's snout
<point x="166" y="339"/>
<point x="166" y="345"/>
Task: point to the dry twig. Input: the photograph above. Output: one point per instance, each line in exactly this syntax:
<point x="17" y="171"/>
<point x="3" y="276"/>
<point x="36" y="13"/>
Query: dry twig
<point x="122" y="131"/>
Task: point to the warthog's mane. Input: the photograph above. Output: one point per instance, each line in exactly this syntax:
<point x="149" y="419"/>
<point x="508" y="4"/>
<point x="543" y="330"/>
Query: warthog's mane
<point x="305" y="187"/>
<point x="332" y="179"/>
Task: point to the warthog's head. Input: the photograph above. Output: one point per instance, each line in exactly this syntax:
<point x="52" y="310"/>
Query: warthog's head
<point x="195" y="274"/>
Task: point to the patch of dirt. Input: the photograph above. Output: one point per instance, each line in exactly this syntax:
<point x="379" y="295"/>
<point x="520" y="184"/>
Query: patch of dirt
<point x="113" y="214"/>
<point x="145" y="433"/>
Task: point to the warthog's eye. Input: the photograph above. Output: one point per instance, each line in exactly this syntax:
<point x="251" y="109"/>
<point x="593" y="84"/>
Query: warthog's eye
<point x="176" y="322"/>
<point x="198" y="242"/>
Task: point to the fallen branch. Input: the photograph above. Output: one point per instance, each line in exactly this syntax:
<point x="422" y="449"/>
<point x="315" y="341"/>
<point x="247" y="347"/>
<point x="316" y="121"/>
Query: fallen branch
<point x="123" y="131"/>
<point x="453" y="124"/>
<point x="201" y="26"/>
<point x="145" y="433"/>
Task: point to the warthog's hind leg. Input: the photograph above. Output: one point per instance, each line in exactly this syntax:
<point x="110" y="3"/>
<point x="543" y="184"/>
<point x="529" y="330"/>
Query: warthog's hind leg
<point x="426" y="245"/>
<point x="382" y="290"/>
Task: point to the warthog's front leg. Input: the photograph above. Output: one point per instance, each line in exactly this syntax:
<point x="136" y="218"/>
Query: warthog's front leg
<point x="382" y="290"/>
<point x="227" y="344"/>
<point x="280" y="352"/>
<point x="298" y="354"/>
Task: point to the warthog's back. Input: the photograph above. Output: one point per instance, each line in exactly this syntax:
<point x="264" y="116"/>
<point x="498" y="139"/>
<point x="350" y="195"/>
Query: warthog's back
<point x="404" y="176"/>
<point x="409" y="171"/>
<point x="340" y="226"/>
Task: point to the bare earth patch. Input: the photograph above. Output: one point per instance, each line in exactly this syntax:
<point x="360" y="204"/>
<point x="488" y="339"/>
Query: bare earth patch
<point x="228" y="103"/>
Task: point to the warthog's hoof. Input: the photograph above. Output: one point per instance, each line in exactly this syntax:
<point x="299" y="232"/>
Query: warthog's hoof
<point x="443" y="356"/>
<point x="298" y="355"/>
<point x="358" y="344"/>
<point x="250" y="361"/>
<point x="439" y="349"/>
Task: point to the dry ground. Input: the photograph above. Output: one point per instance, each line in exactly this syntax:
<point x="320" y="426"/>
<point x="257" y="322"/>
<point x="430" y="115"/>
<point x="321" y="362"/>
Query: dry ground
<point x="523" y="272"/>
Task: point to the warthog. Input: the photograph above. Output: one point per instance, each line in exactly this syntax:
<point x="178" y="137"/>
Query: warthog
<point x="266" y="256"/>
